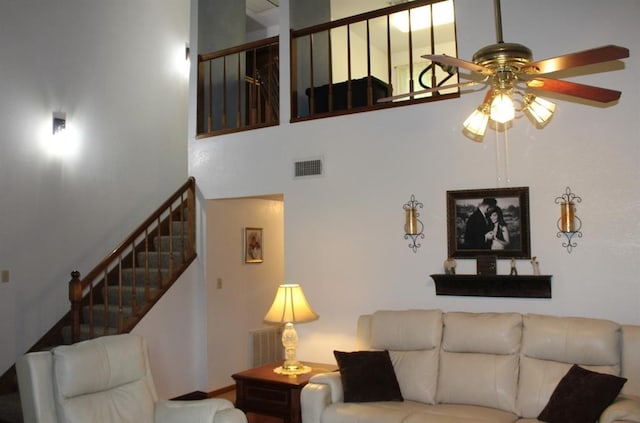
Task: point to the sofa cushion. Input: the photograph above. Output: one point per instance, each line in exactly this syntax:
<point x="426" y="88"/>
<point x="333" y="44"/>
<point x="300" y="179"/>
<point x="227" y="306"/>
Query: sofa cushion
<point x="581" y="396"/>
<point x="417" y="374"/>
<point x="576" y="340"/>
<point x="413" y="412"/>
<point x="120" y="360"/>
<point x="551" y="345"/>
<point x="406" y="330"/>
<point x="480" y="350"/>
<point x="488" y="380"/>
<point x="488" y="333"/>
<point x="367" y="376"/>
<point x="412" y="338"/>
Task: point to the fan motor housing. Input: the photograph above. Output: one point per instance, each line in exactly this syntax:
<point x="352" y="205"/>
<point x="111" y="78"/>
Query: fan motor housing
<point x="503" y="55"/>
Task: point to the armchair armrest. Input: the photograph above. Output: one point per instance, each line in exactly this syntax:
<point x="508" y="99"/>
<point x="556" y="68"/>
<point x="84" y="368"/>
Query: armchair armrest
<point x="214" y="410"/>
<point x="624" y="409"/>
<point x="322" y="390"/>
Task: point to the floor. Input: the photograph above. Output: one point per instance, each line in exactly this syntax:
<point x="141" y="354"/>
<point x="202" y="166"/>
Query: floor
<point x="251" y="417"/>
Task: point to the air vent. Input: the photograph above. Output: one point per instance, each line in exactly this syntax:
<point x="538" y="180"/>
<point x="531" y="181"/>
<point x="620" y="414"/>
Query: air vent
<point x="307" y="168"/>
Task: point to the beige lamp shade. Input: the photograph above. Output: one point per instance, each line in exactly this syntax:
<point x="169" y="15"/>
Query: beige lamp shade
<point x="290" y="306"/>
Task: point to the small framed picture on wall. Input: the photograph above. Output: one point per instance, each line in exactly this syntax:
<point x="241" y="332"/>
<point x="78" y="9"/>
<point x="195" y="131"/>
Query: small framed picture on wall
<point x="253" y="245"/>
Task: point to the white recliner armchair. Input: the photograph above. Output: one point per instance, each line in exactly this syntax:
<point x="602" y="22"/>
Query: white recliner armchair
<point x="106" y="379"/>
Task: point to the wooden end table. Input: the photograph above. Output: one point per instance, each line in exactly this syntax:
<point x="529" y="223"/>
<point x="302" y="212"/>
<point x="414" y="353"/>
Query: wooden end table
<point x="262" y="391"/>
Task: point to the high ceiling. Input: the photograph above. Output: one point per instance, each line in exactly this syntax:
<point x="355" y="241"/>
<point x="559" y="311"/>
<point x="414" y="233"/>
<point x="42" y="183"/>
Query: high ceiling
<point x="263" y="13"/>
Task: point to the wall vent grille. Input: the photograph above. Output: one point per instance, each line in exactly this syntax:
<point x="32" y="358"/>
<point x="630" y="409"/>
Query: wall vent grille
<point x="305" y="168"/>
<point x="266" y="346"/>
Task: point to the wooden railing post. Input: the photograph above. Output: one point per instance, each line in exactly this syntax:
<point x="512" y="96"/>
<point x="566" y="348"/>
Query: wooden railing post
<point x="75" y="296"/>
<point x="191" y="217"/>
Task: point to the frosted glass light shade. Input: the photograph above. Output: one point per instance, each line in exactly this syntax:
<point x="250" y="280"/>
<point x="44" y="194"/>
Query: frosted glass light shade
<point x="477" y="122"/>
<point x="539" y="108"/>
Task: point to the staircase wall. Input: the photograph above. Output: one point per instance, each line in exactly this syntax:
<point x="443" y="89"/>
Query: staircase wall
<point x="172" y="329"/>
<point x="117" y="70"/>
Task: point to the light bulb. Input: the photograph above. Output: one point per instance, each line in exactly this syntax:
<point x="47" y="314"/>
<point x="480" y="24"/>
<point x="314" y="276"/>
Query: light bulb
<point x="502" y="109"/>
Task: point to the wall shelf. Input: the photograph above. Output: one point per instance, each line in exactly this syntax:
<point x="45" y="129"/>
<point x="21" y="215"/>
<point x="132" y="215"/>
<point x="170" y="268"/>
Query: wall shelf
<point x="526" y="286"/>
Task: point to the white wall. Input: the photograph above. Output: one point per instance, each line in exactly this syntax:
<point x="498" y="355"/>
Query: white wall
<point x="246" y="291"/>
<point x="343" y="231"/>
<point x="116" y="68"/>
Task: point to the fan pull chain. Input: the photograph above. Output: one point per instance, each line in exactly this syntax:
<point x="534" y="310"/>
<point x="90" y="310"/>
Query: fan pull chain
<point x="502" y="164"/>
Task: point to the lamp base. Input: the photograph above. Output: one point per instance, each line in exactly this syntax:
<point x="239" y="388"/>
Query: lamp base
<point x="298" y="370"/>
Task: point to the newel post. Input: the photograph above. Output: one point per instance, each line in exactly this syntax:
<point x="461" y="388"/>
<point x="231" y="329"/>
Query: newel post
<point x="75" y="296"/>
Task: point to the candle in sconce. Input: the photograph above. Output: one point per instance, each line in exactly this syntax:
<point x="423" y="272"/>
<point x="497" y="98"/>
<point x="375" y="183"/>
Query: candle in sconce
<point x="567" y="217"/>
<point x="411" y="221"/>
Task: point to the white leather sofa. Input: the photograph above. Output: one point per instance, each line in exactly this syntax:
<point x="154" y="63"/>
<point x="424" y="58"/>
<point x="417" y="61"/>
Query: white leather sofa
<point x="480" y="367"/>
<point x="106" y="379"/>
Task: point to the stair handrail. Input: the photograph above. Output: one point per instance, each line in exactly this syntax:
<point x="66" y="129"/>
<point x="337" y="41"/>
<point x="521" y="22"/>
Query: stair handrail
<point x="78" y="286"/>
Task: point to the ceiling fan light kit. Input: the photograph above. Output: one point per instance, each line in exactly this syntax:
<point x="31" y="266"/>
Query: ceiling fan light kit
<point x="508" y="66"/>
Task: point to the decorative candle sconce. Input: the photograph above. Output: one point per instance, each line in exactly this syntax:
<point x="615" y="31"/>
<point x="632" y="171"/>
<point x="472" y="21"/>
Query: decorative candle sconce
<point x="413" y="226"/>
<point x="59" y="122"/>
<point x="569" y="224"/>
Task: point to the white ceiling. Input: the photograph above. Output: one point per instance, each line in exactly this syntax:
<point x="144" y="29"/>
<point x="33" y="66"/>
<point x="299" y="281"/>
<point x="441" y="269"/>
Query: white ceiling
<point x="262" y="13"/>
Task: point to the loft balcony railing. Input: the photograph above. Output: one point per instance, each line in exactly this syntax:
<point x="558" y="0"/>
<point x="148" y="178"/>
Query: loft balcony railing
<point x="238" y="88"/>
<point x="338" y="67"/>
<point x="348" y="65"/>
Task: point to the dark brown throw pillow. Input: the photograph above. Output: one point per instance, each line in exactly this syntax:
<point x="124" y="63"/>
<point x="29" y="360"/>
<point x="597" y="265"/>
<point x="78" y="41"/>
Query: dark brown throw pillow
<point x="367" y="376"/>
<point x="581" y="396"/>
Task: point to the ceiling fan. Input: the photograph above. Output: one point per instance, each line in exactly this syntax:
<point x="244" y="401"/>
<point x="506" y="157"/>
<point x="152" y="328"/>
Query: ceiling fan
<point x="505" y="67"/>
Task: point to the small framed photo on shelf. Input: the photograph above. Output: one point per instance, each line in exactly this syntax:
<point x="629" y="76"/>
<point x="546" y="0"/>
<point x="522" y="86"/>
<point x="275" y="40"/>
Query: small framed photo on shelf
<point x="253" y="245"/>
<point x="488" y="222"/>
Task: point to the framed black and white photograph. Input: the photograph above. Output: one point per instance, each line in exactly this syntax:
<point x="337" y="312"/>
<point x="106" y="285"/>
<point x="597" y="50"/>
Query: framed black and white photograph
<point x="253" y="245"/>
<point x="492" y="221"/>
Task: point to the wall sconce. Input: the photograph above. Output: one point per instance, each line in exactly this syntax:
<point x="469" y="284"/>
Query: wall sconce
<point x="59" y="122"/>
<point x="413" y="227"/>
<point x="569" y="224"/>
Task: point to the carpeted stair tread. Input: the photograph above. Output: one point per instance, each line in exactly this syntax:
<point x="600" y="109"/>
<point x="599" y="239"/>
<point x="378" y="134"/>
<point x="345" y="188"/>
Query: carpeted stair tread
<point x="127" y="295"/>
<point x="152" y="274"/>
<point x="113" y="314"/>
<point x="161" y="258"/>
<point x="174" y="243"/>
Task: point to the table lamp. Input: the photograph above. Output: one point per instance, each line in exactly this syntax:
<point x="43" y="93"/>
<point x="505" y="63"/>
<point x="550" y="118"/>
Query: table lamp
<point x="290" y="306"/>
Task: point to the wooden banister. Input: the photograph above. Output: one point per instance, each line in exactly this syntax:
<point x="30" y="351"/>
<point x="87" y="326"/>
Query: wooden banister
<point x="91" y="293"/>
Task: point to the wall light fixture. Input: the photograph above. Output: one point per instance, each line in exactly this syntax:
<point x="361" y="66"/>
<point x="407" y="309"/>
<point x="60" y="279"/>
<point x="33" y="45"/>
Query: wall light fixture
<point x="569" y="224"/>
<point x="59" y="122"/>
<point x="413" y="227"/>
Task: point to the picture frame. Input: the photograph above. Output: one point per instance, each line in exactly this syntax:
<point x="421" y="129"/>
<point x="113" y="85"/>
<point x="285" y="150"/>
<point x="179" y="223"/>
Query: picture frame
<point x="253" y="245"/>
<point x="504" y="234"/>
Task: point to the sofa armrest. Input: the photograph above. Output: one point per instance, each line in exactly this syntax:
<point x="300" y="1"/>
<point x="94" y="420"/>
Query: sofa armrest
<point x="624" y="409"/>
<point x="322" y="390"/>
<point x="214" y="410"/>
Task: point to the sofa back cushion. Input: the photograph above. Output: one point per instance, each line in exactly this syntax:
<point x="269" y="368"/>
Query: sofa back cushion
<point x="479" y="359"/>
<point x="551" y="345"/>
<point x="631" y="359"/>
<point x="412" y="338"/>
<point x="103" y="379"/>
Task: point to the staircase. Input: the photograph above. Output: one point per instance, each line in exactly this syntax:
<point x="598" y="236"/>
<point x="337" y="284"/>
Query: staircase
<point x="114" y="296"/>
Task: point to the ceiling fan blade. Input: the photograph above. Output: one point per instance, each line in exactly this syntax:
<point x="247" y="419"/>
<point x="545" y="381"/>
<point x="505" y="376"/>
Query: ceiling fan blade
<point x="581" y="58"/>
<point x="425" y="91"/>
<point x="458" y="63"/>
<point x="602" y="95"/>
